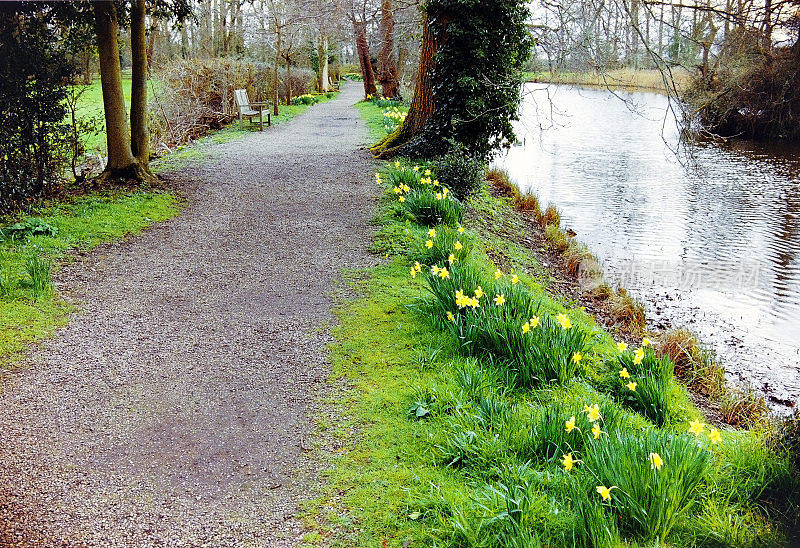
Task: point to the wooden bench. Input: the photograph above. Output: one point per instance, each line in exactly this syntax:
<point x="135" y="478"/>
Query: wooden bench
<point x="246" y="110"/>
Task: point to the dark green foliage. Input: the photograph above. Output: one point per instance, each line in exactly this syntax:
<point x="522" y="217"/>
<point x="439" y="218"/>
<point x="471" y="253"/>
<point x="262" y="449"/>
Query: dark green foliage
<point x="460" y="172"/>
<point x="34" y="73"/>
<point x="444" y="244"/>
<point x="32" y="226"/>
<point x="429" y="208"/>
<point x="477" y="77"/>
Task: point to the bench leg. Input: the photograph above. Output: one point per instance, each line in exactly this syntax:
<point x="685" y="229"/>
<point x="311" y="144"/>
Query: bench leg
<point x="241" y="121"/>
<point x="269" y="119"/>
<point x="261" y="119"/>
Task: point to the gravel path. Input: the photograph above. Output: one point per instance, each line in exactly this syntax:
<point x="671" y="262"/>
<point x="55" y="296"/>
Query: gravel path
<point x="173" y="410"/>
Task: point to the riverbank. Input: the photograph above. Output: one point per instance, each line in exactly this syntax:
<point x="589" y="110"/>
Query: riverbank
<point x="652" y="81"/>
<point x="441" y="445"/>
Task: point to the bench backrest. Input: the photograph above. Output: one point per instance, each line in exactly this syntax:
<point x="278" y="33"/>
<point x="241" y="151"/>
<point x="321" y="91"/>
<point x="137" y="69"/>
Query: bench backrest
<point x="242" y="101"/>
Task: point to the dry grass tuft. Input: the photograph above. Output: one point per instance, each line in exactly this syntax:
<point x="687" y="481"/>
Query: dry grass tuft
<point x="628" y="311"/>
<point x="499" y="179"/>
<point x="529" y="203"/>
<point x="693" y="364"/>
<point x="744" y="408"/>
<point x="602" y="292"/>
<point x="551" y="216"/>
<point x="556" y="237"/>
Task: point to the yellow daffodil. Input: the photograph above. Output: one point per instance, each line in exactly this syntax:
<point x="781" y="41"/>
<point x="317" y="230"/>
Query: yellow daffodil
<point x="474" y="303"/>
<point x="432" y="233"/>
<point x="656" y="462"/>
<point x="604" y="491"/>
<point x="696" y="427"/>
<point x="479" y="292"/>
<point x="592" y="412"/>
<point x="646" y="342"/>
<point x="397" y="190"/>
<point x="397" y="164"/>
<point x="624" y="373"/>
<point x="416" y="168"/>
<point x="413" y="272"/>
<point x="498" y="274"/>
<point x="564" y="321"/>
<point x="526" y="327"/>
<point x="444" y="274"/>
<point x="461" y="299"/>
<point x="621" y="346"/>
<point x="429" y="244"/>
<point x="514" y="279"/>
<point x="435" y="270"/>
<point x="450" y="316"/>
<point x="632" y="386"/>
<point x="401" y="199"/>
<point x="445" y="190"/>
<point x="577" y="357"/>
<point x="638" y="356"/>
<point x="406" y="188"/>
<point x="436" y="182"/>
<point x="457" y="246"/>
<point x="596" y="431"/>
<point x="569" y="425"/>
<point x="714" y="436"/>
<point x="427" y="173"/>
<point x="534" y="322"/>
<point x="461" y="230"/>
<point x="418" y="266"/>
<point x="568" y="461"/>
<point x="439" y="196"/>
<point x="500" y="300"/>
<point x="452" y="259"/>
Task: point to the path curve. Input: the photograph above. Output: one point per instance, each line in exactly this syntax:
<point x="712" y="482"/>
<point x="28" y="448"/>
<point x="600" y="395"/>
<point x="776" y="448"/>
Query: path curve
<point x="173" y="410"/>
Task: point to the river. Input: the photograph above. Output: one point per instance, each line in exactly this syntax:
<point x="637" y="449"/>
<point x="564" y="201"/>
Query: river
<point x="708" y="239"/>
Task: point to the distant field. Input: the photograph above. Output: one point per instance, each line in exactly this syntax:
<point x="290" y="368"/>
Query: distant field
<point x="629" y="79"/>
<point x="90" y="104"/>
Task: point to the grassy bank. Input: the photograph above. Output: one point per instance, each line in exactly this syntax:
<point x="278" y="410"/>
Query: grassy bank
<point x="486" y="410"/>
<point x="619" y="79"/>
<point x="38" y="242"/>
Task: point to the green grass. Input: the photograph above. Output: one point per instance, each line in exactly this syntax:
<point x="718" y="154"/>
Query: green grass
<point x="29" y="308"/>
<point x="441" y="447"/>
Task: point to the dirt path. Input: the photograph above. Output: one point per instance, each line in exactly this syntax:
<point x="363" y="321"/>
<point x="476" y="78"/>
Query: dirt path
<point x="172" y="411"/>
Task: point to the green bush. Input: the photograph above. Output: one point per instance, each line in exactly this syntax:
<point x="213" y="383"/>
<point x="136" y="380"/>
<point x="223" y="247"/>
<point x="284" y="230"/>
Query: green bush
<point x="460" y="172"/>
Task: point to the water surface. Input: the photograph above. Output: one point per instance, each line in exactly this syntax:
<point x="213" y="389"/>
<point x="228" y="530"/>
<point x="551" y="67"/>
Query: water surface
<point x="708" y="240"/>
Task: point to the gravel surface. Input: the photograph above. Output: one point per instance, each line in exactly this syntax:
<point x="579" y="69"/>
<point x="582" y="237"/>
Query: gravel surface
<point x="173" y="409"/>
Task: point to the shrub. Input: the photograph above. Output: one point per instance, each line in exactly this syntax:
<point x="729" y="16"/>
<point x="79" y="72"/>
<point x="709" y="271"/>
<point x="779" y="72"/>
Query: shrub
<point x="305" y="99"/>
<point x="429" y="208"/>
<point x="460" y="172"/>
<point x="33" y="135"/>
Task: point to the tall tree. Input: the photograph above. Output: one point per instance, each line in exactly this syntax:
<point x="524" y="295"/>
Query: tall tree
<point x="469" y="79"/>
<point x="121" y="161"/>
<point x="362" y="47"/>
<point x="387" y="70"/>
<point x="140" y="138"/>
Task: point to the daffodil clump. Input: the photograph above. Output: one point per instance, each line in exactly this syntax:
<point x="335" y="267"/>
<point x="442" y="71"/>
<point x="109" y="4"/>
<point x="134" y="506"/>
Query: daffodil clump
<point x="306" y="99"/>
<point x="393" y="117"/>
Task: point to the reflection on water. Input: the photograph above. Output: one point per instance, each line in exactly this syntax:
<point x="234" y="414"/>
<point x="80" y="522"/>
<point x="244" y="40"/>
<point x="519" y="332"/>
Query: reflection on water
<point x="711" y="242"/>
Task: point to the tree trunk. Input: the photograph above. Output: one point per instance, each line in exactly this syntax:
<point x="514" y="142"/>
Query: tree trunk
<point x="87" y="65"/>
<point x="288" y="79"/>
<point x="322" y="61"/>
<point x="362" y="46"/>
<point x="387" y="72"/>
<point x="120" y="157"/>
<point x="140" y="137"/>
<point x="275" y="73"/>
<point x="154" y="28"/>
<point x="184" y="41"/>
<point x="422" y="105"/>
